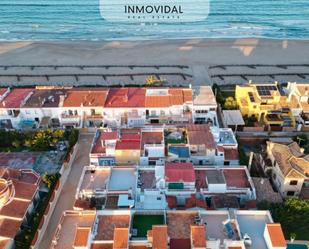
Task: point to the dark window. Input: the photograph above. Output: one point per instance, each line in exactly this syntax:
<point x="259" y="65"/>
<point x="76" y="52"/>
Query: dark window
<point x="226" y="162"/>
<point x="293" y="182"/>
<point x="290" y="193"/>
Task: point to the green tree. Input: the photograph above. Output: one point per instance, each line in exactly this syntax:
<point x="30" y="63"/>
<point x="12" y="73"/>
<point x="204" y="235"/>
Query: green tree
<point x="230" y="103"/>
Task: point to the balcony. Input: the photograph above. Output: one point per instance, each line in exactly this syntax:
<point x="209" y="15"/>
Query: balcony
<point x="95" y="116"/>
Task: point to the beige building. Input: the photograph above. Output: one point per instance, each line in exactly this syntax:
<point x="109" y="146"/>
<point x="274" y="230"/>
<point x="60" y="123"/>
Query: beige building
<point x="290" y="168"/>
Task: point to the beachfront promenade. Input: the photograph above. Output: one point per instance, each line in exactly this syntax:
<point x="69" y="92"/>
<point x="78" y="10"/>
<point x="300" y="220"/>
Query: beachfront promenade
<point x="180" y="62"/>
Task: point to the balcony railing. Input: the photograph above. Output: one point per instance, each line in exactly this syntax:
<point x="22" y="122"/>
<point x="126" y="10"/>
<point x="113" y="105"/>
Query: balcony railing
<point x="94" y="116"/>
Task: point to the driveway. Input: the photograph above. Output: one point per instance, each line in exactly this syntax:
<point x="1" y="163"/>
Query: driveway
<point x="67" y="196"/>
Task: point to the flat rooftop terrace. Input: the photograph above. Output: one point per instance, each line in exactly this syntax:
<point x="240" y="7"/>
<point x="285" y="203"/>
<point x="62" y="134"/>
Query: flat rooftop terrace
<point x="253" y="224"/>
<point x="122" y="179"/>
<point x="107" y="224"/>
<point x="214" y="227"/>
<point x="95" y="178"/>
<point x="70" y="221"/>
<point x="179" y="224"/>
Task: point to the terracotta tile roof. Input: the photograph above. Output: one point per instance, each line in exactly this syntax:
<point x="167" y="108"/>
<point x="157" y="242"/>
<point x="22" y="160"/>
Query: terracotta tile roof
<point x="24" y="190"/>
<point x="180" y="244"/>
<point x="15" y="98"/>
<point x="290" y="158"/>
<point x="151" y="138"/>
<point x="234" y="247"/>
<point x="108" y="223"/>
<point x="99" y="146"/>
<point x="101" y="246"/>
<point x="20" y="186"/>
<point x="121" y="238"/>
<point x="81" y="236"/>
<point x="198" y="236"/>
<point x="231" y="153"/>
<point x="131" y="137"/>
<point x="276" y="235"/>
<point x="179" y="172"/>
<point x="3" y="91"/>
<point x="236" y="178"/>
<point x="44" y="98"/>
<point x="199" y="134"/>
<point x="128" y="145"/>
<point x="78" y="98"/>
<point x="126" y="97"/>
<point x="16" y="209"/>
<point x="9" y="228"/>
<point x="173" y="97"/>
<point x="159" y="237"/>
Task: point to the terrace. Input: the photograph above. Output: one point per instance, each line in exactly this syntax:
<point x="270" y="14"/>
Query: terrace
<point x="214" y="225"/>
<point x="94" y="181"/>
<point x="253" y="224"/>
<point x="142" y="223"/>
<point x="147" y="179"/>
<point x="65" y="234"/>
<point x="122" y="179"/>
<point x="108" y="223"/>
<point x="179" y="224"/>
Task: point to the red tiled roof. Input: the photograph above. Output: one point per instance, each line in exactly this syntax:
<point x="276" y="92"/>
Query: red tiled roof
<point x="126" y="97"/>
<point x="9" y="227"/>
<point x="98" y="147"/>
<point x="112" y="135"/>
<point x="3" y="91"/>
<point x="131" y="137"/>
<point x="101" y="246"/>
<point x="159" y="237"/>
<point x="198" y="233"/>
<point x="121" y="238"/>
<point x="151" y="138"/>
<point x="200" y="134"/>
<point x="236" y="178"/>
<point x="174" y="97"/>
<point x="231" y="154"/>
<point x="15" y="98"/>
<point x="180" y="244"/>
<point x="276" y="235"/>
<point x="81" y="236"/>
<point x="179" y="172"/>
<point x="128" y="145"/>
<point x="77" y="98"/>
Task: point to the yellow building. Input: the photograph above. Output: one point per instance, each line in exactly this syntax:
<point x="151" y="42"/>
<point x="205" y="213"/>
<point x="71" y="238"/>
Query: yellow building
<point x="265" y="102"/>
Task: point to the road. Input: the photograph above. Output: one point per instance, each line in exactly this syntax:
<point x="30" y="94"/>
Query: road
<point x="67" y="196"/>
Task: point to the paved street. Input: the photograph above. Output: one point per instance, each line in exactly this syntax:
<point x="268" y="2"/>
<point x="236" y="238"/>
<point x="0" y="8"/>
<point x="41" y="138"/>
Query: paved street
<point x="67" y="196"/>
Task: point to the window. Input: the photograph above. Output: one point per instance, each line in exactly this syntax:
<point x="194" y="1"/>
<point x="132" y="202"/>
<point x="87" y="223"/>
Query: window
<point x="212" y="109"/>
<point x="290" y="193"/>
<point x="293" y="182"/>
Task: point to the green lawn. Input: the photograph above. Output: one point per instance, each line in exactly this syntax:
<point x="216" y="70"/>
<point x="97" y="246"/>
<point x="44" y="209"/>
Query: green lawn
<point x="143" y="223"/>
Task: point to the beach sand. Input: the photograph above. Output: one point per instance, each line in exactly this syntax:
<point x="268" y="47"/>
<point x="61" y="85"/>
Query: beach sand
<point x="198" y="54"/>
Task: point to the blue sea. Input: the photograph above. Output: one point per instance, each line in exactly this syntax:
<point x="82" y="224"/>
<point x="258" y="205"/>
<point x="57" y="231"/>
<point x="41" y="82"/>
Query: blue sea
<point x="81" y="20"/>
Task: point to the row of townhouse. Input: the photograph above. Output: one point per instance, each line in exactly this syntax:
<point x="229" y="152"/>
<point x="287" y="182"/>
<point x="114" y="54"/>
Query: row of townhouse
<point x="153" y="145"/>
<point x="275" y="105"/>
<point x="22" y="108"/>
<point x="172" y="185"/>
<point x="198" y="229"/>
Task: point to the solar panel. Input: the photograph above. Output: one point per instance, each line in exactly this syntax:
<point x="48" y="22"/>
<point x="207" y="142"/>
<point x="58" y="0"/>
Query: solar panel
<point x="265" y="90"/>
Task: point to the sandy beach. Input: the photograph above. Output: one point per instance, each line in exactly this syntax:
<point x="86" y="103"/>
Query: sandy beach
<point x="197" y="54"/>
